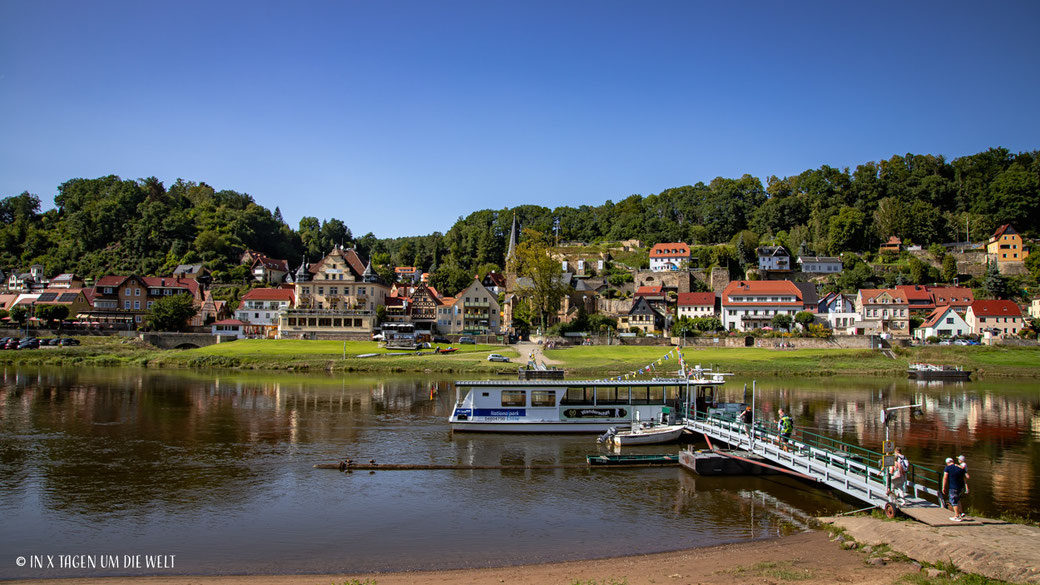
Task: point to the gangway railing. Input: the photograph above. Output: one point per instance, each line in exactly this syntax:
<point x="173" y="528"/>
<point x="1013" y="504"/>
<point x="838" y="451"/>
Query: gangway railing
<point x="852" y="469"/>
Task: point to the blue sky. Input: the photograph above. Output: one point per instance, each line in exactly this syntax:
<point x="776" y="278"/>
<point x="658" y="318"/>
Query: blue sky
<point x="399" y="117"/>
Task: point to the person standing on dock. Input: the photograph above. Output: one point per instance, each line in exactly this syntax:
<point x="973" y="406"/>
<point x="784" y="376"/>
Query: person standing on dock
<point x="745" y="419"/>
<point x="785" y="426"/>
<point x="900" y="469"/>
<point x="953" y="485"/>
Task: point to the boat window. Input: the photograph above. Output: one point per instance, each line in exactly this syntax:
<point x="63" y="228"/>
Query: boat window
<point x="514" y="398"/>
<point x="656" y="394"/>
<point x="640" y="395"/>
<point x="578" y="395"/>
<point x="611" y="395"/>
<point x="671" y="392"/>
<point x="543" y="398"/>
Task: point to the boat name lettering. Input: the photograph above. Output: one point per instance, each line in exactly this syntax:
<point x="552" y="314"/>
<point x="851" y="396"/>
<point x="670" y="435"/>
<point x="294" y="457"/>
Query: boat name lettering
<point x="595" y="413"/>
<point x="512" y="412"/>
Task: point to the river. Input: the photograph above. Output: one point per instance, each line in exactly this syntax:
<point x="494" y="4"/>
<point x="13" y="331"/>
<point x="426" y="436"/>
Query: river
<point x="215" y="471"/>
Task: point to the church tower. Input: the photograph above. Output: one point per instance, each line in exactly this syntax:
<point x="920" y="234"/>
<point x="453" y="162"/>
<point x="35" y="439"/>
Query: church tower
<point x="510" y="268"/>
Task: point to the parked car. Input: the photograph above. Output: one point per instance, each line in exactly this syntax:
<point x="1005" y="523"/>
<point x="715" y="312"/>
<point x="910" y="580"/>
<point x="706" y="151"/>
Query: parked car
<point x="29" y="343"/>
<point x="467" y="340"/>
<point x="497" y="358"/>
<point x="69" y="341"/>
<point x="441" y="339"/>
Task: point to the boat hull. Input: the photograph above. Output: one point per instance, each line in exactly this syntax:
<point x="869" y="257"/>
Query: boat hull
<point x="599" y="426"/>
<point x="654" y="436"/>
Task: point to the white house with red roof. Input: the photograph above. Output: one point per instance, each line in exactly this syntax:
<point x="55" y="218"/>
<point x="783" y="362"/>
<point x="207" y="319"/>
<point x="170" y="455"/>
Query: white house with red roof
<point x="752" y="304"/>
<point x="994" y="318"/>
<point x="269" y="270"/>
<point x="695" y="304"/>
<point x="669" y="256"/>
<point x="883" y="310"/>
<point x="230" y="327"/>
<point x="261" y="308"/>
<point x="943" y="322"/>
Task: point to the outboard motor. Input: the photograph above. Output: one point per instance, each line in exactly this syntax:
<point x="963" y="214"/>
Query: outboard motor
<point x="605" y="437"/>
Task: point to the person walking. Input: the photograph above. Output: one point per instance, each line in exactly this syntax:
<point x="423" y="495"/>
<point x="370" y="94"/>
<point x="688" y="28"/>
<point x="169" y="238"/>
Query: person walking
<point x="898" y="473"/>
<point x="785" y="426"/>
<point x="953" y="485"/>
<point x="745" y="418"/>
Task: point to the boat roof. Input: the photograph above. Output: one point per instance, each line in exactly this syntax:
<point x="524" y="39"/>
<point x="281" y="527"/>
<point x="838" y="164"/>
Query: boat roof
<point x="713" y="379"/>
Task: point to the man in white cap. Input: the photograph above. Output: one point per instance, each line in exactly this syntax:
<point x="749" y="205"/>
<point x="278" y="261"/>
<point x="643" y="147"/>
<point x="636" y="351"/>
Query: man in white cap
<point x="953" y="485"/>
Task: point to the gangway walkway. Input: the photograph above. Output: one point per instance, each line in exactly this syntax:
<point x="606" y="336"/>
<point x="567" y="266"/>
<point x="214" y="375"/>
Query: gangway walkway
<point x="847" y="468"/>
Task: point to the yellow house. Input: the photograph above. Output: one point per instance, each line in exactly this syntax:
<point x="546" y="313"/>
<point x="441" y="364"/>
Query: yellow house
<point x="1006" y="245"/>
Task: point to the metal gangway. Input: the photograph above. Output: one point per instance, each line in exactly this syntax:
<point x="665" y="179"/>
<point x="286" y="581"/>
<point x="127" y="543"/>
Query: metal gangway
<point x="848" y="468"/>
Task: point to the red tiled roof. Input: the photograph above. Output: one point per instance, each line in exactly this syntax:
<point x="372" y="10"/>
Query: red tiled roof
<point x="995" y="309"/>
<point x="270" y="294"/>
<point x="229" y="322"/>
<point x="915" y="292"/>
<point x="649" y="291"/>
<point x="670" y="250"/>
<point x="1002" y="230"/>
<point x="111" y="280"/>
<point x="404" y="270"/>
<point x="189" y="284"/>
<point x="761" y="287"/>
<point x="696" y="299"/>
<point x="869" y="295"/>
<point x="936" y="315"/>
<point x="272" y="263"/>
<point x="952" y="295"/>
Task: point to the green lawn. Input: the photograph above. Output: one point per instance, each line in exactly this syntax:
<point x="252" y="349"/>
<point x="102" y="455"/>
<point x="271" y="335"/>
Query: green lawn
<point x="616" y="360"/>
<point x="293" y="354"/>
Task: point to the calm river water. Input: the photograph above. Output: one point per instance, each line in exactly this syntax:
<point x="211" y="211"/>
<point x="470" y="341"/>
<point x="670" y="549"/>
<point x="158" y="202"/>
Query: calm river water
<point x="216" y="469"/>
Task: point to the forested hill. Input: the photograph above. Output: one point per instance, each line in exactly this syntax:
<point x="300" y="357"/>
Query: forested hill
<point x="113" y="225"/>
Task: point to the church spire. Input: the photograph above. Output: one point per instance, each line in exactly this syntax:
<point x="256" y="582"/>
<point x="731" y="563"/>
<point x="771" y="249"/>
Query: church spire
<point x="512" y="241"/>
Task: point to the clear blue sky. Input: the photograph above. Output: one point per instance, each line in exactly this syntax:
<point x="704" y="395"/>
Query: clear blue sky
<point x="398" y="117"/>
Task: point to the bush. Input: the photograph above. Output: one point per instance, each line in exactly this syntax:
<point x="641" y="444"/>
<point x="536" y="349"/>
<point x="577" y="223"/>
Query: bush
<point x="932" y="339"/>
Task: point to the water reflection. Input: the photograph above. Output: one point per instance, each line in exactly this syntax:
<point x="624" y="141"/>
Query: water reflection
<point x="218" y="468"/>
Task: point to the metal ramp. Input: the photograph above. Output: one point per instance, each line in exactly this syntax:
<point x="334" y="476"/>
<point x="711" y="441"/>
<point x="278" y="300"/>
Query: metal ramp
<point x="847" y="468"/>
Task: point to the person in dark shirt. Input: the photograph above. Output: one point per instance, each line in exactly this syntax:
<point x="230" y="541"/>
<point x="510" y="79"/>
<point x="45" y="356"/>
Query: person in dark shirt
<point x="953" y="485"/>
<point x="745" y="418"/>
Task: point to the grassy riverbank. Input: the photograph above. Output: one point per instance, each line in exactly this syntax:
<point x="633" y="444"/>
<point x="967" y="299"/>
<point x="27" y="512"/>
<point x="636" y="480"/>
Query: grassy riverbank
<point x="594" y="361"/>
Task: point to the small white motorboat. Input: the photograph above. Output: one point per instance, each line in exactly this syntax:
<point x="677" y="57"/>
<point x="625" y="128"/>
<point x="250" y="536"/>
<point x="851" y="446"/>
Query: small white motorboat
<point x="644" y="434"/>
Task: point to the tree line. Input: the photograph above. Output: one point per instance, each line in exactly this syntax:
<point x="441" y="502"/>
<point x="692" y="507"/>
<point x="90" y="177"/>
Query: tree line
<point x="111" y="225"/>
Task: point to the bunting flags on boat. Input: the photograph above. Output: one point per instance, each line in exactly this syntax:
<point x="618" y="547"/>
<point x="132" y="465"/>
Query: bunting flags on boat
<point x="652" y="366"/>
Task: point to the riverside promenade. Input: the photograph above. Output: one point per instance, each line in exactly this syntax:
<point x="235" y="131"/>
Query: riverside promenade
<point x="997" y="550"/>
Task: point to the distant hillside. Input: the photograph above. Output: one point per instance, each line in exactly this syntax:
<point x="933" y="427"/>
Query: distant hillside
<point x="114" y="225"/>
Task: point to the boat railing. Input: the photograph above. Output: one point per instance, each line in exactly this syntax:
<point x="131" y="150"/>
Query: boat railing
<point x="849" y="458"/>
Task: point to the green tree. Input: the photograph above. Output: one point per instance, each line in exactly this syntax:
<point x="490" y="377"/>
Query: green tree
<point x="949" y="268"/>
<point x="782" y="321"/>
<point x="847" y="231"/>
<point x="918" y="270"/>
<point x="804" y="318"/>
<point x="52" y="313"/>
<point x="995" y="284"/>
<point x="172" y="313"/>
<point x="19" y="314"/>
<point x="545" y="288"/>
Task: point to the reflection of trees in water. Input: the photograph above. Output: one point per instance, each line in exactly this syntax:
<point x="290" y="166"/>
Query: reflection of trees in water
<point x="114" y="441"/>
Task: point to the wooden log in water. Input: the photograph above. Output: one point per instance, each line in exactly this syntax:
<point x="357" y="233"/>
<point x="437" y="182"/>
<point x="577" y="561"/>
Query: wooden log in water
<point x="342" y="466"/>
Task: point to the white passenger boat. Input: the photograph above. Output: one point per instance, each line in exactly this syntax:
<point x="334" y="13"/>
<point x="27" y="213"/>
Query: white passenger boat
<point x="577" y="406"/>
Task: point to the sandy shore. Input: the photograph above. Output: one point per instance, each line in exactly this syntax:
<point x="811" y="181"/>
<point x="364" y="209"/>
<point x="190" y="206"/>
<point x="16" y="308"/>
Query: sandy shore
<point x="811" y="558"/>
